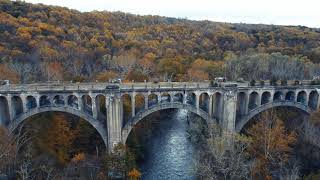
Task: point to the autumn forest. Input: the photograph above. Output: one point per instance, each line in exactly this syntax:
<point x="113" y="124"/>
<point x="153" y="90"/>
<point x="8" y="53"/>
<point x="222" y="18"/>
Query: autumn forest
<point x="41" y="43"/>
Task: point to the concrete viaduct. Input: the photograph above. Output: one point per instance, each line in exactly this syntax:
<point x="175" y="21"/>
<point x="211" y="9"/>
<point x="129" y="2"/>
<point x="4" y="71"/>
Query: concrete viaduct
<point x="114" y="109"/>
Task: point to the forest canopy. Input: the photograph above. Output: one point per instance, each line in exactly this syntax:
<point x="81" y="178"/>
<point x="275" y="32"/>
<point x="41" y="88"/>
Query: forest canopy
<point x="47" y="43"/>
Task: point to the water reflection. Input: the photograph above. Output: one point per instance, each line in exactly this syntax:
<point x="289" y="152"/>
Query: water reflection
<point x="169" y="152"/>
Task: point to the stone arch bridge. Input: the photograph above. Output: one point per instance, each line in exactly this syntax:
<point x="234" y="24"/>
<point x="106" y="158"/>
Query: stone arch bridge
<point x="113" y="109"/>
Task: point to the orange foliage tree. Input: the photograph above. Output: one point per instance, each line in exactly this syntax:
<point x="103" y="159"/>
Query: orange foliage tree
<point x="57" y="138"/>
<point x="134" y="174"/>
<point x="7" y="73"/>
<point x="106" y="76"/>
<point x="270" y="144"/>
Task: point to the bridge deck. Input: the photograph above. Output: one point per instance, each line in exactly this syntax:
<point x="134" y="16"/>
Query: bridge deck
<point x="134" y="86"/>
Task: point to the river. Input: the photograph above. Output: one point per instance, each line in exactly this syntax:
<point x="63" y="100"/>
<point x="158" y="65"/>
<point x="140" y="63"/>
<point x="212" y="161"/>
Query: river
<point x="169" y="153"/>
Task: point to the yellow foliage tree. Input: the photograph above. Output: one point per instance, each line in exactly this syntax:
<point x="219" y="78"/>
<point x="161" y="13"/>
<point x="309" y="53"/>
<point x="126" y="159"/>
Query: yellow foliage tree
<point x="134" y="174"/>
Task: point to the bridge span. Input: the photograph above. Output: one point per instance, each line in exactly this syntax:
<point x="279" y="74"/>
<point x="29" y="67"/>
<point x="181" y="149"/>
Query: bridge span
<point x="114" y="109"/>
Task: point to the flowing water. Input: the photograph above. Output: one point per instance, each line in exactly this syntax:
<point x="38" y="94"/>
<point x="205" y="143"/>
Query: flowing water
<point x="169" y="153"/>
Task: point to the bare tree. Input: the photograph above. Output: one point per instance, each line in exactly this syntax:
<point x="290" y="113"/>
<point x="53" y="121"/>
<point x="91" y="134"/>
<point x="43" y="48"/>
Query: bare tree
<point x="222" y="159"/>
<point x="25" y="170"/>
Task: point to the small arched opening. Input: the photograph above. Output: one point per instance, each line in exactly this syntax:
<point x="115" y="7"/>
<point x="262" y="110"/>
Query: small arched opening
<point x="302" y="97"/>
<point x="139" y="103"/>
<point x="266" y="97"/>
<point x="165" y="98"/>
<point x="152" y="100"/>
<point x="31" y="102"/>
<point x="217" y="105"/>
<point x="58" y="100"/>
<point x="178" y="97"/>
<point x="191" y="99"/>
<point x="290" y="96"/>
<point x="204" y="102"/>
<point x="17" y="106"/>
<point x="127" y="108"/>
<point x="44" y="101"/>
<point x="73" y="101"/>
<point x="241" y="104"/>
<point x="87" y="104"/>
<point x="253" y="100"/>
<point x="278" y="96"/>
<point x="313" y="100"/>
<point x="101" y="106"/>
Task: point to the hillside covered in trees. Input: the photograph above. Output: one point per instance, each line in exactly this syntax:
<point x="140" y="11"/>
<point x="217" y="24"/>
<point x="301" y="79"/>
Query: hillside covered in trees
<point x="46" y="43"/>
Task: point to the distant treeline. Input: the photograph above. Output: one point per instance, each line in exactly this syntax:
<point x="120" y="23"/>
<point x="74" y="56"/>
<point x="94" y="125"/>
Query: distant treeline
<point x="41" y="43"/>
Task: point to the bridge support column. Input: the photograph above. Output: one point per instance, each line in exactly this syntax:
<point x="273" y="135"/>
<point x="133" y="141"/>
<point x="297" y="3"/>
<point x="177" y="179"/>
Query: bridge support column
<point x="307" y="98"/>
<point x="133" y="104"/>
<point x="24" y="102"/>
<point x="171" y="97"/>
<point x="185" y="96"/>
<point x="94" y="108"/>
<point x="229" y="111"/>
<point x="114" y="120"/>
<point x="318" y="102"/>
<point x="210" y="105"/>
<point x="80" y="103"/>
<point x="159" y="98"/>
<point x="197" y="101"/>
<point x="146" y="101"/>
<point x="10" y="108"/>
<point x="246" y="109"/>
<point x="65" y="98"/>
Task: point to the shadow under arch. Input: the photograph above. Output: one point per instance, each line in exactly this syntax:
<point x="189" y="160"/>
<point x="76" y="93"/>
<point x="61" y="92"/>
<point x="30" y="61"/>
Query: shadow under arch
<point x="243" y="121"/>
<point x="138" y="117"/>
<point x="98" y="126"/>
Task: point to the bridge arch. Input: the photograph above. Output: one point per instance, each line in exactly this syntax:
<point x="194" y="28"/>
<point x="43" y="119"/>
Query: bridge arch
<point x="130" y="124"/>
<point x="243" y="121"/>
<point x="93" y="122"/>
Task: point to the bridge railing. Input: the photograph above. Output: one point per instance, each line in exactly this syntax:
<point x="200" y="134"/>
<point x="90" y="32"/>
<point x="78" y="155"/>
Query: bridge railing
<point x="135" y="86"/>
